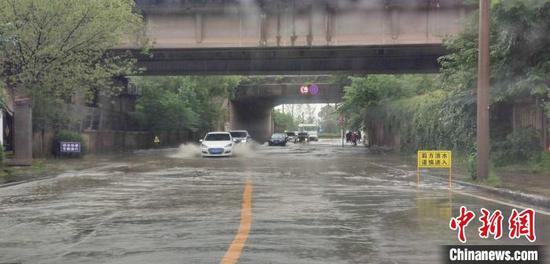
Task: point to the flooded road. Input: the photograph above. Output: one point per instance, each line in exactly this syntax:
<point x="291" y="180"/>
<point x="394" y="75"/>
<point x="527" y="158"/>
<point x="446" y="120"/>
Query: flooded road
<point x="310" y="203"/>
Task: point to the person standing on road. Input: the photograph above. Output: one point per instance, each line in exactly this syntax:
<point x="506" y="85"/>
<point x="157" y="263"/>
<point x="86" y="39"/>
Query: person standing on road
<point x="354" y="138"/>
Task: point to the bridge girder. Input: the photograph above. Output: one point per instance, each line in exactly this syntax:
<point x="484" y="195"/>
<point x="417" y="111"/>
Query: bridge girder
<point x="293" y="60"/>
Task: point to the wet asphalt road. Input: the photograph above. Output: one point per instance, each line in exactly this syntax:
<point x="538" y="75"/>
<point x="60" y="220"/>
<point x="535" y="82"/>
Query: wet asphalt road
<point x="314" y="203"/>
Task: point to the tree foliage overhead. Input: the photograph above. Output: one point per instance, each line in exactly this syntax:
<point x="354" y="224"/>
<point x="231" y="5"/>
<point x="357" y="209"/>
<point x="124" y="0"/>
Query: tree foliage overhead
<point x="59" y="46"/>
<point x="519" y="51"/>
<point x="52" y="50"/>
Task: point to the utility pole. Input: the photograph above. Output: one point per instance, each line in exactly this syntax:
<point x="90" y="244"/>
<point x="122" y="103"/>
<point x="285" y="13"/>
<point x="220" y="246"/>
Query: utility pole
<point x="483" y="92"/>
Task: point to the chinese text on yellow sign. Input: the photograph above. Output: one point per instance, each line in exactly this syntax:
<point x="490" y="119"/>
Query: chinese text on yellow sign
<point x="434" y="159"/>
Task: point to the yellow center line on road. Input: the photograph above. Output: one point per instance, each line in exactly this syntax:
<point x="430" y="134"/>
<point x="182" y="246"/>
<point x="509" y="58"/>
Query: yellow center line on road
<point x="234" y="252"/>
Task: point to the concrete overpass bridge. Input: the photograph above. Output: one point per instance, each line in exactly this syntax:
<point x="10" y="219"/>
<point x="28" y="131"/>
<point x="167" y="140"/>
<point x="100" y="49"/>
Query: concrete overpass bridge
<point x="296" y="36"/>
<point x="255" y="98"/>
<point x="273" y="37"/>
<point x="286" y="89"/>
<point x="286" y="37"/>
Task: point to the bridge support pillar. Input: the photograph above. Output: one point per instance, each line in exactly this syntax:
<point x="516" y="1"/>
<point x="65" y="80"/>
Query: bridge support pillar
<point x="22" y="132"/>
<point x="254" y="116"/>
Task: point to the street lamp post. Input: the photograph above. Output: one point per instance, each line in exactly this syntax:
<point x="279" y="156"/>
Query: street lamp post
<point x="483" y="92"/>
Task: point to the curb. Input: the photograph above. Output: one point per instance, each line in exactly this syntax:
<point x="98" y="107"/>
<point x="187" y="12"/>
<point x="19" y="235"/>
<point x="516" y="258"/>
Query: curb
<point x="9" y="184"/>
<point x="529" y="199"/>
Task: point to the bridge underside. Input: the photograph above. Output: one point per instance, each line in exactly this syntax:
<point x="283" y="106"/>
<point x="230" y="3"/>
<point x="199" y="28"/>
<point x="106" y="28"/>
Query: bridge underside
<point x="254" y="99"/>
<point x="280" y="37"/>
<point x="251" y="110"/>
<point x="288" y="93"/>
<point x="417" y="58"/>
<point x="254" y="116"/>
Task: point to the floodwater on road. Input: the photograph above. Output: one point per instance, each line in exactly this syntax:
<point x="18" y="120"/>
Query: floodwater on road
<point x="310" y="203"/>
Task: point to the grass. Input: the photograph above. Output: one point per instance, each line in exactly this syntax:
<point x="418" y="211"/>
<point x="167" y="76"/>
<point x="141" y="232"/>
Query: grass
<point x="6" y="176"/>
<point x="11" y="174"/>
<point x="494" y="179"/>
<point x="542" y="165"/>
<point x="539" y="165"/>
<point x="500" y="176"/>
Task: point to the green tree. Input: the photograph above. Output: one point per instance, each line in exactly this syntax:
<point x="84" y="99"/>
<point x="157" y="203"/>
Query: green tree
<point x="284" y="121"/>
<point x="161" y="106"/>
<point x="520" y="52"/>
<point x="373" y="89"/>
<point x="370" y="91"/>
<point x="410" y="106"/>
<point x="58" y="48"/>
<point x="183" y="102"/>
<point x="519" y="57"/>
<point x="328" y="116"/>
<point x="431" y="112"/>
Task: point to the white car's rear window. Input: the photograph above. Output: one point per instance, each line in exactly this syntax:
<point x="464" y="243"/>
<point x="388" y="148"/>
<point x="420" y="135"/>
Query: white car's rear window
<point x="217" y="137"/>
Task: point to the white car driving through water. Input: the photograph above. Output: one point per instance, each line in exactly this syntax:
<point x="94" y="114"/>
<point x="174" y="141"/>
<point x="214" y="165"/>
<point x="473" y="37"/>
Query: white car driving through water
<point x="240" y="136"/>
<point x="217" y="144"/>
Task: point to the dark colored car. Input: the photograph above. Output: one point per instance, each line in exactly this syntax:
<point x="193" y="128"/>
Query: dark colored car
<point x="277" y="139"/>
<point x="240" y="136"/>
<point x="303" y="136"/>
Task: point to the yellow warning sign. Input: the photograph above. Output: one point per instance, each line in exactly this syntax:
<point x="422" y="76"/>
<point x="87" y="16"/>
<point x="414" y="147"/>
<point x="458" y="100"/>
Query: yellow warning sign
<point x="434" y="159"/>
<point x="156" y="140"/>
